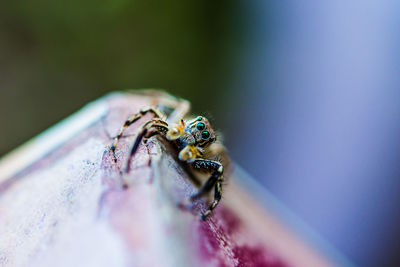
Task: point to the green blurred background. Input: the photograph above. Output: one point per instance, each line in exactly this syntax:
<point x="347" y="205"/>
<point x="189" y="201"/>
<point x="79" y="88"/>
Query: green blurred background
<point x="56" y="56"/>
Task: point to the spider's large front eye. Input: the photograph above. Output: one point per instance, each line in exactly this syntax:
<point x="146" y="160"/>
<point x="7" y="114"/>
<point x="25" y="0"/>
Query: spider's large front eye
<point x="200" y="126"/>
<point x="205" y="135"/>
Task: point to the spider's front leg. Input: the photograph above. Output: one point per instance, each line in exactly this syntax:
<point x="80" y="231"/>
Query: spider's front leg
<point x="215" y="181"/>
<point x="149" y="129"/>
<point x="132" y="119"/>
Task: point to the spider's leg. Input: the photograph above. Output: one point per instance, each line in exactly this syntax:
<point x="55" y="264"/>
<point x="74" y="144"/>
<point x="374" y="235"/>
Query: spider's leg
<point x="217" y="198"/>
<point x="217" y="151"/>
<point x="155" y="130"/>
<point x="132" y="119"/>
<point x="181" y="109"/>
<point x="215" y="180"/>
<point x="209" y="165"/>
<point x="150" y="128"/>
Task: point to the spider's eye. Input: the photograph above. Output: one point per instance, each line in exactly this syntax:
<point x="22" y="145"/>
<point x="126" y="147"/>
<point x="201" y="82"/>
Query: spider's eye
<point x="205" y="135"/>
<point x="199" y="118"/>
<point x="200" y="126"/>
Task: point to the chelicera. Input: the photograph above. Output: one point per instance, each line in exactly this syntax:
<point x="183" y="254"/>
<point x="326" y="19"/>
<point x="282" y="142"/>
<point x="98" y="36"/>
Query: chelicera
<point x="194" y="140"/>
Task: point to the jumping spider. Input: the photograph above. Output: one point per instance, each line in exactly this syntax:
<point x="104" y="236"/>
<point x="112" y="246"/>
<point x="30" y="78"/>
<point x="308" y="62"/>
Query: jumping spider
<point x="194" y="140"/>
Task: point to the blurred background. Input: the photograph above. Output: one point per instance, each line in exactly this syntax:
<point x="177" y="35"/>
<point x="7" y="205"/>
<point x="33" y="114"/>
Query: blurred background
<point x="306" y="93"/>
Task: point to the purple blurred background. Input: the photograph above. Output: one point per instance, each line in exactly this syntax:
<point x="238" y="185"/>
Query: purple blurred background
<point x="318" y="106"/>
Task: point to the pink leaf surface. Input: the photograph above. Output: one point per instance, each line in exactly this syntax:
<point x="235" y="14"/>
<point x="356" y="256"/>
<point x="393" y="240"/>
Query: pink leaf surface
<point x="62" y="203"/>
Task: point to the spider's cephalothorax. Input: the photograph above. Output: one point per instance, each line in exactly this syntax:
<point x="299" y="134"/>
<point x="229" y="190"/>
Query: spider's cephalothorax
<point x="194" y="140"/>
<point x="191" y="137"/>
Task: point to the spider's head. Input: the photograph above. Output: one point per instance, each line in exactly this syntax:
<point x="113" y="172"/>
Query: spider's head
<point x="201" y="131"/>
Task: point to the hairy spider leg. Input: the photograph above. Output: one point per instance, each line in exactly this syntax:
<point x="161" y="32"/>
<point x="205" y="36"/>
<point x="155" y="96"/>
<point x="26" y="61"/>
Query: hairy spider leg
<point x="217" y="151"/>
<point x="132" y="119"/>
<point x="180" y="106"/>
<point x="181" y="109"/>
<point x="150" y="128"/>
<point x="215" y="181"/>
<point x="217" y="198"/>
